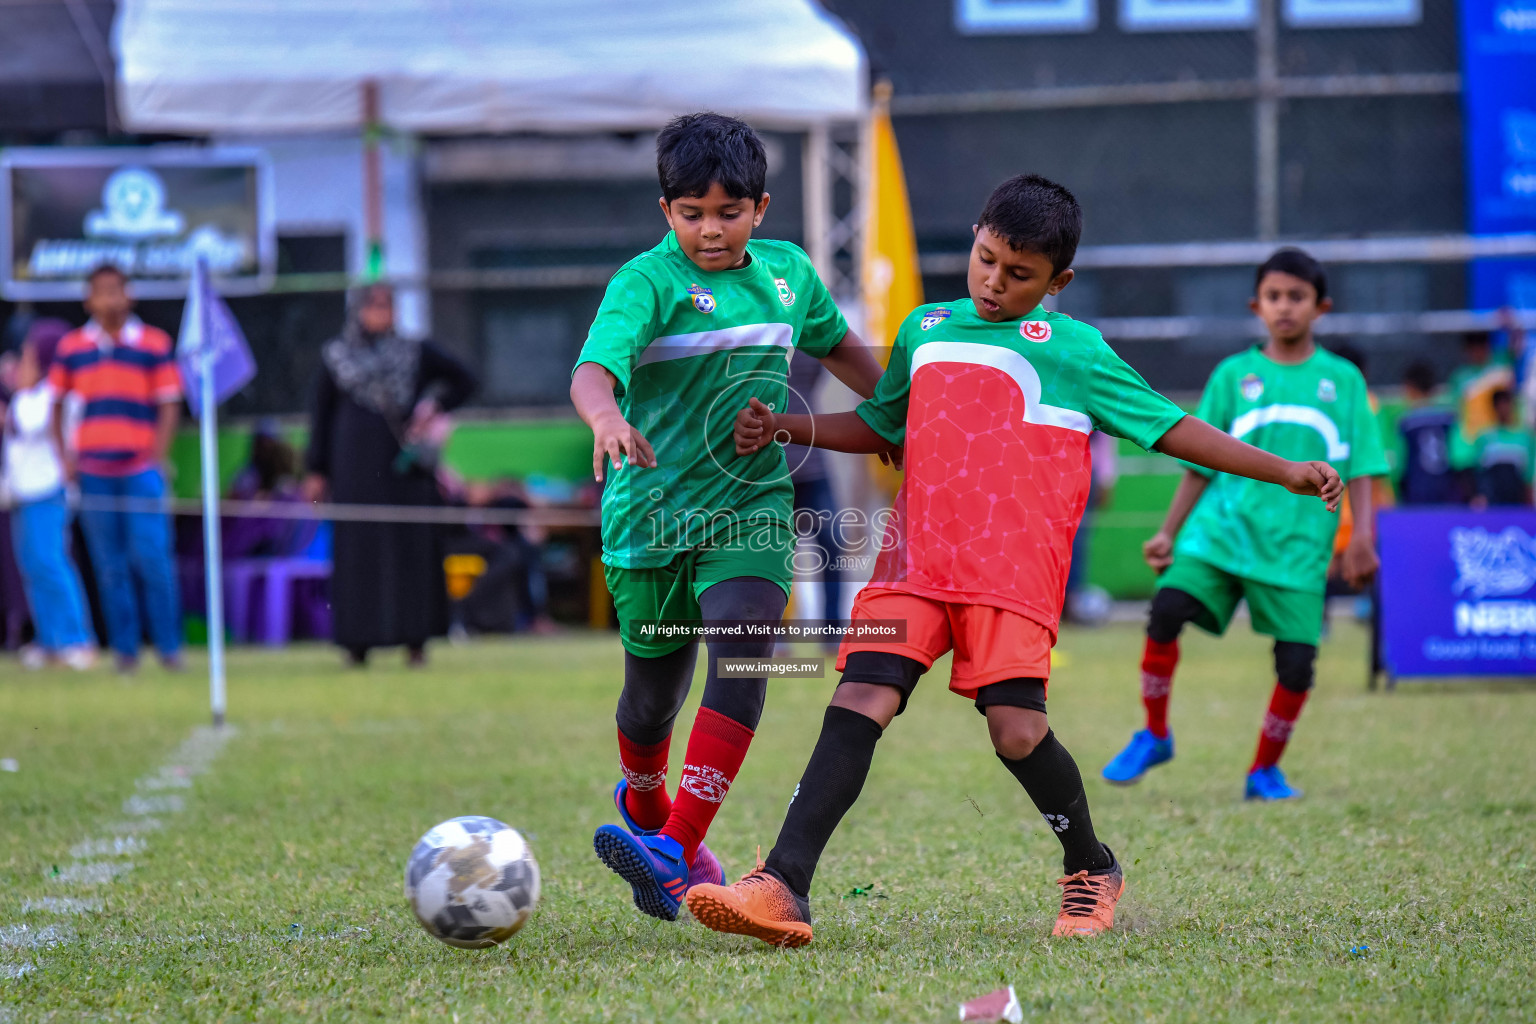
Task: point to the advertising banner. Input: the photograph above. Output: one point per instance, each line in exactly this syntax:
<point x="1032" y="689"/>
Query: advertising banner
<point x="1458" y="591"/>
<point x="1498" y="74"/>
<point x="153" y="212"/>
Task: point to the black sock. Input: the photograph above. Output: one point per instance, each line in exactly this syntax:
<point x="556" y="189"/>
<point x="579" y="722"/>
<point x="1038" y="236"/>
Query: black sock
<point x="1050" y="777"/>
<point x="830" y="785"/>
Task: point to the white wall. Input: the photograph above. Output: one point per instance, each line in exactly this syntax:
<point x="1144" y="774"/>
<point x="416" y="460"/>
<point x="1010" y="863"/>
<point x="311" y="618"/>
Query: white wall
<point x="318" y="188"/>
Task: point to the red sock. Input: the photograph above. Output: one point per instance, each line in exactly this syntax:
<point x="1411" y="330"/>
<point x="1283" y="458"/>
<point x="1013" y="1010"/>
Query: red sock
<point x="645" y="769"/>
<point x="1284" y="709"/>
<point x="716" y="748"/>
<point x="1157" y="664"/>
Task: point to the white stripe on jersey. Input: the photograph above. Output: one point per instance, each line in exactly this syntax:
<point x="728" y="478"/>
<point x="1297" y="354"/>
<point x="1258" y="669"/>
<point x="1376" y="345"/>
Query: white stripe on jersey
<point x="684" y="346"/>
<point x="1015" y="366"/>
<point x="1298" y="415"/>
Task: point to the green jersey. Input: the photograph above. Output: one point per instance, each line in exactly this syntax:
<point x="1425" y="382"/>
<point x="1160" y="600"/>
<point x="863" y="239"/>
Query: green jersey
<point x="1312" y="411"/>
<point x="689" y="347"/>
<point x="1504" y="460"/>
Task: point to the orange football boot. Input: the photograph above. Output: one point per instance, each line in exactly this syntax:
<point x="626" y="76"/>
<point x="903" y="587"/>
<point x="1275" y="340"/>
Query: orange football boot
<point x="760" y="905"/>
<point x="1088" y="901"/>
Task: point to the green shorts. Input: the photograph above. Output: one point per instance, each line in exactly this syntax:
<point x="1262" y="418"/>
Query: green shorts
<point x="1280" y="612"/>
<point x="670" y="593"/>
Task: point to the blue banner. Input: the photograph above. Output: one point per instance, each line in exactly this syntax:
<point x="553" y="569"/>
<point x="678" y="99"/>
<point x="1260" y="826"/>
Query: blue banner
<point x="1498" y="86"/>
<point x="1458" y="591"/>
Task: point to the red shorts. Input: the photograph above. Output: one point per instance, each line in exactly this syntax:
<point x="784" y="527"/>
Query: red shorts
<point x="990" y="644"/>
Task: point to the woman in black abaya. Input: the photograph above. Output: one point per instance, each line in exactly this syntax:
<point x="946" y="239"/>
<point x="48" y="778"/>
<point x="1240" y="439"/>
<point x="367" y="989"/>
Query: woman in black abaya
<point x="376" y="398"/>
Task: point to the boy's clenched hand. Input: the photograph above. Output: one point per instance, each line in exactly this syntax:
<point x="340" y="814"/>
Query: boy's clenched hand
<point x="1316" y="479"/>
<point x="755" y="427"/>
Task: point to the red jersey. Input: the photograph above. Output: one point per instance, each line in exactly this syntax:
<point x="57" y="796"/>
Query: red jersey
<point x="995" y="418"/>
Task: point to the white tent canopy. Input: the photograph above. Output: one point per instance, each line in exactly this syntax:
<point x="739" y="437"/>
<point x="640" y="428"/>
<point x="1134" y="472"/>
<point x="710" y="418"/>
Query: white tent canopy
<point x="444" y="66"/>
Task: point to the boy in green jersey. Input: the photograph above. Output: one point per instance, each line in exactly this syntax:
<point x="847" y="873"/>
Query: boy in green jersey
<point x="1236" y="540"/>
<point x="693" y="536"/>
<point x="1502" y="458"/>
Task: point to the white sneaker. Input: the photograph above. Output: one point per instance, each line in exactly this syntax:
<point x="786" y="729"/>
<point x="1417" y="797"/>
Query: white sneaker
<point x="33" y="657"/>
<point x="81" y="657"/>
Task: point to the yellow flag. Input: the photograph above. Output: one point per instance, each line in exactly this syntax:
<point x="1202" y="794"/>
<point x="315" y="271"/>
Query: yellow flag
<point x="892" y="284"/>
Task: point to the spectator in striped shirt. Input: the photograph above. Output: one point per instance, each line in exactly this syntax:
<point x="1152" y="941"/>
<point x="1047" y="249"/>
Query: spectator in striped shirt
<point x="125" y="374"/>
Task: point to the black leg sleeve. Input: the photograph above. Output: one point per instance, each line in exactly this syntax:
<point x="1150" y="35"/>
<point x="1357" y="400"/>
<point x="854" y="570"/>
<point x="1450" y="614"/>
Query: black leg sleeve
<point x="654" y="692"/>
<point x="831" y="783"/>
<point x="1050" y="777"/>
<point x="1295" y="665"/>
<point x="747" y="599"/>
<point x="1171" y="609"/>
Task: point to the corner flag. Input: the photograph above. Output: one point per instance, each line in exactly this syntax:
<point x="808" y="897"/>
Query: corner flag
<point x="215" y="362"/>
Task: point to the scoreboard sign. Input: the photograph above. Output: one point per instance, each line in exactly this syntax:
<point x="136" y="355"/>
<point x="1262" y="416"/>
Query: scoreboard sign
<point x="1458" y="591"/>
<point x="152" y="211"/>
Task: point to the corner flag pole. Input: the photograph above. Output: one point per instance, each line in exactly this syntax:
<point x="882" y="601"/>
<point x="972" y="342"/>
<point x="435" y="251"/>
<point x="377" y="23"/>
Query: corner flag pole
<point x="212" y="555"/>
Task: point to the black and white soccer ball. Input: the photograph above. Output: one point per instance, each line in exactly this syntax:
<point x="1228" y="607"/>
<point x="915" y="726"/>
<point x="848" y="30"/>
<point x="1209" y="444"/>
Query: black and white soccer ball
<point x="472" y="882"/>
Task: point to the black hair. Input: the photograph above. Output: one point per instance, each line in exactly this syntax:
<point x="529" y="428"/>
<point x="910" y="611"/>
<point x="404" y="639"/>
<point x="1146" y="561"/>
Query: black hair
<point x="695" y="151"/>
<point x="1420" y="376"/>
<point x="1034" y="214"/>
<point x="107" y="268"/>
<point x="1472" y="338"/>
<point x="1502" y="395"/>
<point x="1298" y="264"/>
<point x="1344" y="350"/>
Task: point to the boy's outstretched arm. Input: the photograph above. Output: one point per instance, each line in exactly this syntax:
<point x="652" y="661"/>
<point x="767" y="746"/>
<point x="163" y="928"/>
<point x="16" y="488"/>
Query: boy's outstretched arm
<point x="1157" y="550"/>
<point x="757" y="426"/>
<point x="851" y="362"/>
<point x="1194" y="440"/>
<point x="592" y="393"/>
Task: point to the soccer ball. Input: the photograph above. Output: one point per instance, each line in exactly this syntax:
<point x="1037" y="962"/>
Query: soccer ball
<point x="472" y="882"/>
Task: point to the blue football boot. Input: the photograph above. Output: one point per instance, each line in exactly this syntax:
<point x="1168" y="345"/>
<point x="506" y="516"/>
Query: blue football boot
<point x="1143" y="752"/>
<point x="652" y="865"/>
<point x="1269" y="784"/>
<point x="705" y="868"/>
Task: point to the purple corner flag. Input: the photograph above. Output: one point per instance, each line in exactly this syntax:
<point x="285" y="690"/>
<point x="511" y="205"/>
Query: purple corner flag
<point x="208" y="321"/>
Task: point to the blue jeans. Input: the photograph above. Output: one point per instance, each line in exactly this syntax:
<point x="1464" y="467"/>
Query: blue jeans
<point x="129" y="545"/>
<point x="40" y="533"/>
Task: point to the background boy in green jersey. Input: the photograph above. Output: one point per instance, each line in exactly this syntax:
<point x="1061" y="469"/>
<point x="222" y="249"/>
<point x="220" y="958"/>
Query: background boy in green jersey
<point x="691" y="534"/>
<point x="1241" y="541"/>
<point x="1502" y="458"/>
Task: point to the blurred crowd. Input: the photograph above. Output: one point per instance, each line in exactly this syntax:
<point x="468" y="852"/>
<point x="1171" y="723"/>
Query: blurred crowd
<point x="1469" y="441"/>
<point x="89" y="414"/>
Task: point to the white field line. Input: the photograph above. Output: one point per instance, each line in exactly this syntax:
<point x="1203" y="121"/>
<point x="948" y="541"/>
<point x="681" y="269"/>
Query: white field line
<point x="61" y="905"/>
<point x="124" y="837"/>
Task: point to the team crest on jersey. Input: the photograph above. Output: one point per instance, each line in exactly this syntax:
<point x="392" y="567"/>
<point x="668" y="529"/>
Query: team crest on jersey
<point x="1327" y="391"/>
<point x="703" y="298"/>
<point x="1035" y="330"/>
<point x="1251" y="387"/>
<point x="933" y="318"/>
<point x="785" y="295"/>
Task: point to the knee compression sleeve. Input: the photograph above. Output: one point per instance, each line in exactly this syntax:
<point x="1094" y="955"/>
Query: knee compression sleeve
<point x="1295" y="665"/>
<point x="748" y="599"/>
<point x="1171" y="609"/>
<point x="654" y="691"/>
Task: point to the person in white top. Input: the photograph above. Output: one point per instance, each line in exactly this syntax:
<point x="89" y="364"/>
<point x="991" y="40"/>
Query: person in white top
<point x="40" y="517"/>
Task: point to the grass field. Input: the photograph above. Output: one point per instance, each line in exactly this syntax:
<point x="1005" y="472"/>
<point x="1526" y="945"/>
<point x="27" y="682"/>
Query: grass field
<point x="275" y="893"/>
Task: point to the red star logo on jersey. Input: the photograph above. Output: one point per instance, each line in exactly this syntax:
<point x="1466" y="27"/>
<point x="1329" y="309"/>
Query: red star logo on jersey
<point x="1035" y="330"/>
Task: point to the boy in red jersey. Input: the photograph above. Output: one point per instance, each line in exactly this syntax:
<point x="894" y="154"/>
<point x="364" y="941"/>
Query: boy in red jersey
<point x="994" y="399"/>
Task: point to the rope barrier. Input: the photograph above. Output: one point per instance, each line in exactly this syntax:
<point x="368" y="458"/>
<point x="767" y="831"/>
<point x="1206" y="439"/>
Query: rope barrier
<point x="347" y="512"/>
